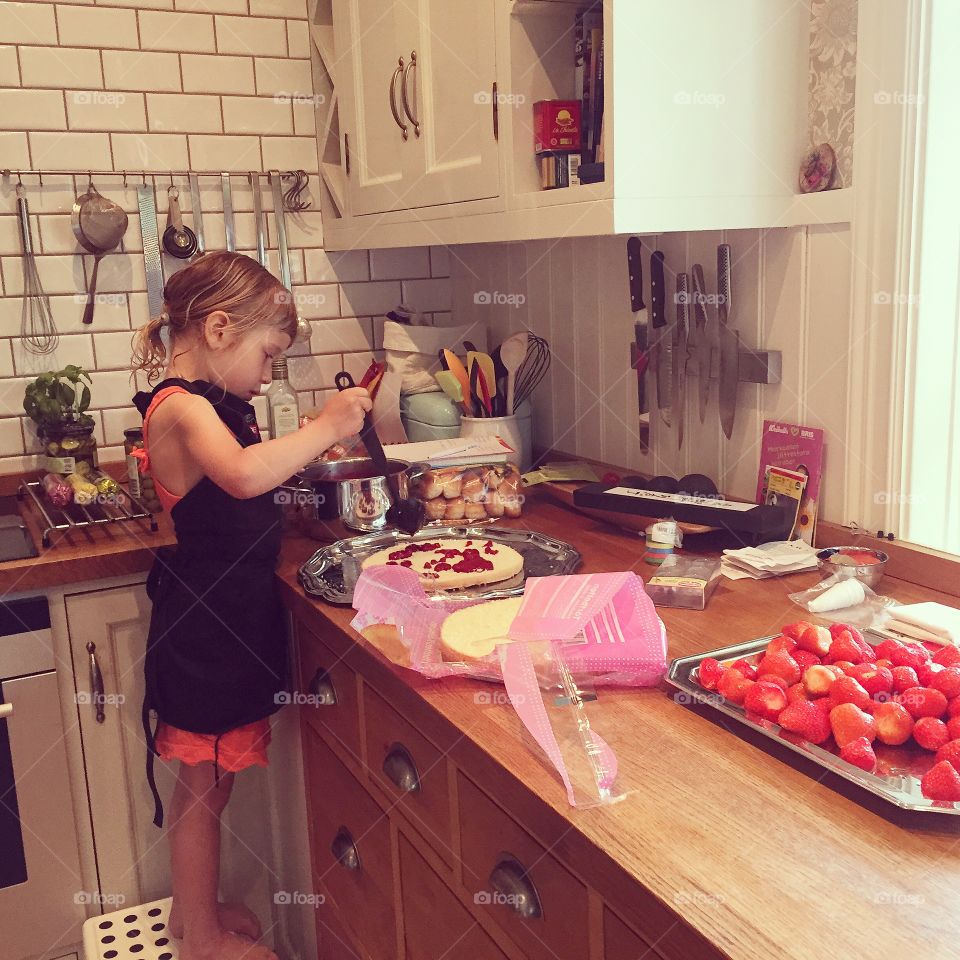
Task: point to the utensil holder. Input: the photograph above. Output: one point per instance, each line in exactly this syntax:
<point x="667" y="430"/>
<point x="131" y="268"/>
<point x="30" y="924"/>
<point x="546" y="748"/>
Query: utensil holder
<point x="515" y="430"/>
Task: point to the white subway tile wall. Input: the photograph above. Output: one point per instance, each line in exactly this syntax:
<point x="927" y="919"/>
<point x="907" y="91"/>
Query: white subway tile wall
<point x="127" y="85"/>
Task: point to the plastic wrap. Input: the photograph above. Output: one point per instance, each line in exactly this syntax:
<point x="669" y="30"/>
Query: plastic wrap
<point x="470" y="493"/>
<point x="844" y="598"/>
<point x="57" y="490"/>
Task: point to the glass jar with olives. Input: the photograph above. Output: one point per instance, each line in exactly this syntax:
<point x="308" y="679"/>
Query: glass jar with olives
<point x="66" y="444"/>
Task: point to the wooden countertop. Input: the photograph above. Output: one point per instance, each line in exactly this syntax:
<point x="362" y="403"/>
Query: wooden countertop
<point x="761" y="852"/>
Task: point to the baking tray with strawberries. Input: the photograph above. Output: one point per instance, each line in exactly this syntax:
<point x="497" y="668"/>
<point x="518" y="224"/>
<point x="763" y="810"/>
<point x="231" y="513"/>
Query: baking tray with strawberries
<point x="899" y="769"/>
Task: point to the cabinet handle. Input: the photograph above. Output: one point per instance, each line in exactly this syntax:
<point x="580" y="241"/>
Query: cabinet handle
<point x="321" y="686"/>
<point x="514" y="888"/>
<point x="393" y="99"/>
<point x="403" y="93"/>
<point x="345" y="850"/>
<point x="399" y="767"/>
<point x="6" y="710"/>
<point x="96" y="682"/>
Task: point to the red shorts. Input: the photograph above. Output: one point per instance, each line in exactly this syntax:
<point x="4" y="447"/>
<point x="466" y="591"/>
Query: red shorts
<point x="240" y="748"/>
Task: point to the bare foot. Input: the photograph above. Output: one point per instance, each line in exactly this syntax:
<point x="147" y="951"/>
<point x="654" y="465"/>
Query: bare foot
<point x="235" y="917"/>
<point x="227" y="946"/>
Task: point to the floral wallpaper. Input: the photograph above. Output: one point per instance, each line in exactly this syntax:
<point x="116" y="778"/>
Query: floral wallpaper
<point x="833" y="80"/>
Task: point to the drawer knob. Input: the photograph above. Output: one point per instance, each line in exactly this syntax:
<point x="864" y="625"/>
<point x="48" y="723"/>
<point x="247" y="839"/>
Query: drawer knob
<point x="321" y="686"/>
<point x="399" y="767"/>
<point x="345" y="850"/>
<point x="514" y="889"/>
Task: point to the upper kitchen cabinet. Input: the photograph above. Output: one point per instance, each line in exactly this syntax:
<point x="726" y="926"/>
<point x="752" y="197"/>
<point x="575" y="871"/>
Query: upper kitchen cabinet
<point x="425" y="112"/>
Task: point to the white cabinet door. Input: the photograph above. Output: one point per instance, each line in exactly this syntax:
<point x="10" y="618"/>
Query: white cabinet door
<point x="132" y="854"/>
<point x="368" y="86"/>
<point x="449" y="92"/>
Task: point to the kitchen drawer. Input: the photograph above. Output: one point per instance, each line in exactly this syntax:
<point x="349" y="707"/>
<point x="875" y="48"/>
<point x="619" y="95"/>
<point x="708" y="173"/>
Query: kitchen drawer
<point x="411" y="769"/>
<point x="333" y="941"/>
<point x="511" y="876"/>
<point x="434" y="920"/>
<point x="620" y="942"/>
<point x="674" y="939"/>
<point x="331" y="687"/>
<point x="351" y="848"/>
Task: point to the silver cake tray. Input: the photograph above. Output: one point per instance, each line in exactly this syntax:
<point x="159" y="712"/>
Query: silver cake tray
<point x="332" y="571"/>
<point x="899" y="769"/>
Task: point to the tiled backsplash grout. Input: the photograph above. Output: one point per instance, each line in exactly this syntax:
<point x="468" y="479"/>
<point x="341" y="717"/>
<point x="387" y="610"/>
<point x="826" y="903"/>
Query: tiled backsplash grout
<point x="238" y="80"/>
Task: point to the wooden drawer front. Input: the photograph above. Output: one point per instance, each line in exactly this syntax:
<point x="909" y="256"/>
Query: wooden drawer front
<point x="674" y="939"/>
<point x="359" y="876"/>
<point x="620" y="942"/>
<point x="532" y="896"/>
<point x="333" y="941"/>
<point x="411" y="769"/>
<point x="435" y="923"/>
<point x="332" y="688"/>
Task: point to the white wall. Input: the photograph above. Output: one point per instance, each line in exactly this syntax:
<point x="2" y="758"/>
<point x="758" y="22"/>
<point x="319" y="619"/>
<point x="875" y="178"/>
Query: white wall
<point x="791" y="292"/>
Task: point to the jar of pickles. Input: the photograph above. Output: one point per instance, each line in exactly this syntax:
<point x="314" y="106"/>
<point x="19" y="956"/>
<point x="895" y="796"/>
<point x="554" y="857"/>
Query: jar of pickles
<point x="141" y="485"/>
<point x="67" y="444"/>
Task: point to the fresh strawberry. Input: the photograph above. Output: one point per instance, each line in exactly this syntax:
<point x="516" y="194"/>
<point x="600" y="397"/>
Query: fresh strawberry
<point x="872" y="678"/>
<point x="733" y="685"/>
<point x="781" y="664"/>
<point x="883" y="662"/>
<point x="950" y="752"/>
<point x="815" y="639"/>
<point x="794" y="630"/>
<point x="773" y="678"/>
<point x="765" y="699"/>
<point x="805" y="659"/>
<point x="709" y="672"/>
<point x="910" y="655"/>
<point x="868" y="650"/>
<point x="941" y="782"/>
<point x="845" y="666"/>
<point x="847" y="690"/>
<point x="748" y="669"/>
<point x="953" y="728"/>
<point x="848" y="722"/>
<point x="930" y="733"/>
<point x="953" y="707"/>
<point x="927" y="671"/>
<point x="904" y="678"/>
<point x="844" y="647"/>
<point x="805" y="718"/>
<point x="819" y="679"/>
<point x="860" y="753"/>
<point x="797" y="692"/>
<point x="781" y="643"/>
<point x="948" y="655"/>
<point x="894" y="723"/>
<point x="947" y="681"/>
<point x="924" y="702"/>
<point x="885" y="649"/>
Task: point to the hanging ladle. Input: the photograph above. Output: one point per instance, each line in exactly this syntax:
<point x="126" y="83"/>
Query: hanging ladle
<point x="99" y="225"/>
<point x="178" y="239"/>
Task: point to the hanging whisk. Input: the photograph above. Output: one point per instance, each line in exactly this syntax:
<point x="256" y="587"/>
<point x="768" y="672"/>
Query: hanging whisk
<point x="36" y="321"/>
<point x="533" y="368"/>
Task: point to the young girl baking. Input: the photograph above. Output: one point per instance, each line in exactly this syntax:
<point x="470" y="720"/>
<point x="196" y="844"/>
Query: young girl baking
<point x="216" y="652"/>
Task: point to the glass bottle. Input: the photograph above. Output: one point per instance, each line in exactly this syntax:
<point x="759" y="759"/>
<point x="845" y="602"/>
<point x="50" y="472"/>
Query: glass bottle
<point x="282" y="406"/>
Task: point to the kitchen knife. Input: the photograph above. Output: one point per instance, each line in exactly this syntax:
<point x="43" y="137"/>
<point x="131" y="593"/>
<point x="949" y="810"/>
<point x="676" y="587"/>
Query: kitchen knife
<point x="663" y="345"/>
<point x="702" y="338"/>
<point x="680" y="354"/>
<point x="638" y="350"/>
<point x="729" y="344"/>
<point x="196" y="211"/>
<point x="227" y="191"/>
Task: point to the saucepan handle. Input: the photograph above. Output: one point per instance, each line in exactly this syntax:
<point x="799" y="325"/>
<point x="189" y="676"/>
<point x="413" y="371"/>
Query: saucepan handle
<point x="343" y="380"/>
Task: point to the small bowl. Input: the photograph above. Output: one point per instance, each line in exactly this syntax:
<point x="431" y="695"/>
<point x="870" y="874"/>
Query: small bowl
<point x="869" y="574"/>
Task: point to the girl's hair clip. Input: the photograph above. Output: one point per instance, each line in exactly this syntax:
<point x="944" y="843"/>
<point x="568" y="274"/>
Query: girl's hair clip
<point x="164" y="318"/>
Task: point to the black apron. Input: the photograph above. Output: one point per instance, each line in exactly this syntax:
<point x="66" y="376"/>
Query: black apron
<point x="216" y="655"/>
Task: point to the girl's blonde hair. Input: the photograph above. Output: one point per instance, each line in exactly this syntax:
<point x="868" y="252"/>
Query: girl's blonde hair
<point x="236" y="284"/>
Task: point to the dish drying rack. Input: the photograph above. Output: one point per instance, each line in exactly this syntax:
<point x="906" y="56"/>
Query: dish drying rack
<point x="121" y="507"/>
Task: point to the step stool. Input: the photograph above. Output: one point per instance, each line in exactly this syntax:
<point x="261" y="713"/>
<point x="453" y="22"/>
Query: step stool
<point x="134" y="933"/>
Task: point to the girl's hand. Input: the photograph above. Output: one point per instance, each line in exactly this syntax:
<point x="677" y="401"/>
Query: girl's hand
<point x="344" y="411"/>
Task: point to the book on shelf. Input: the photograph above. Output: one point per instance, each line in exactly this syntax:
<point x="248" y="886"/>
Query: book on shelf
<point x="558" y="170"/>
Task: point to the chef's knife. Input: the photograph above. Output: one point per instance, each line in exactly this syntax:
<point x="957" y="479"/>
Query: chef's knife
<point x="702" y="338"/>
<point x="680" y="355"/>
<point x="228" y="211"/>
<point x="638" y="350"/>
<point x="729" y="344"/>
<point x="663" y="345"/>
